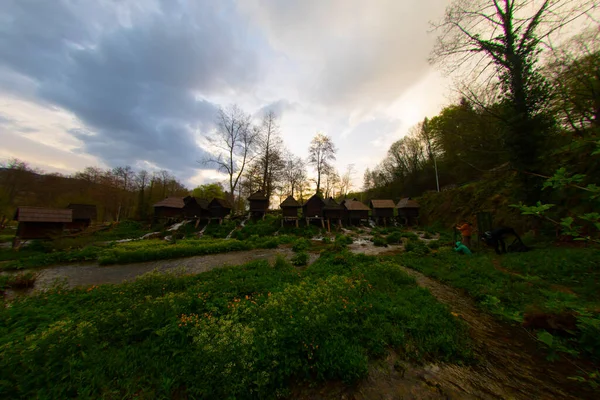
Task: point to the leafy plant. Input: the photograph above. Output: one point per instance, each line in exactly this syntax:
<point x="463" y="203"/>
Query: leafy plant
<point x="300" y="258"/>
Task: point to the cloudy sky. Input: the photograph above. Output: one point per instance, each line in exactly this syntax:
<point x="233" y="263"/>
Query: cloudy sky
<point x="119" y="82"/>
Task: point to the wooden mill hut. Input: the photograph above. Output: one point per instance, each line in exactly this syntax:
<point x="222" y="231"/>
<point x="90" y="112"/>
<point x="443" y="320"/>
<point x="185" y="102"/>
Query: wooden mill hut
<point x="219" y="209"/>
<point x="408" y="211"/>
<point x="259" y="203"/>
<point x="177" y="208"/>
<point x="383" y="210"/>
<point x="354" y="211"/>
<point x="289" y="209"/>
<point x="83" y="216"/>
<point x="313" y="209"/>
<point x="41" y="223"/>
<point x="332" y="211"/>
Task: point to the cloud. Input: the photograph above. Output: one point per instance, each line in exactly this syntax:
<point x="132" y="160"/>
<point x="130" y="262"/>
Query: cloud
<point x="354" y="54"/>
<point x="134" y="76"/>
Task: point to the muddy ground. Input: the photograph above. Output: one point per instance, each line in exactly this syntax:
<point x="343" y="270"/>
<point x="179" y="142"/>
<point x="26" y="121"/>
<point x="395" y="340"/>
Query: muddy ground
<point x="509" y="365"/>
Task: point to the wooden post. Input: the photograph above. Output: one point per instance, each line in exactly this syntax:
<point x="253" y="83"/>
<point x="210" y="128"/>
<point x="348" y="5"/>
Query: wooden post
<point x="328" y="226"/>
<point x="323" y="223"/>
<point x="296" y="222"/>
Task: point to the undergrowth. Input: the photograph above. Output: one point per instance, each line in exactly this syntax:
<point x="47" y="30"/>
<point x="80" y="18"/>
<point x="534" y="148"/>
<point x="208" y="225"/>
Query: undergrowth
<point x="236" y="332"/>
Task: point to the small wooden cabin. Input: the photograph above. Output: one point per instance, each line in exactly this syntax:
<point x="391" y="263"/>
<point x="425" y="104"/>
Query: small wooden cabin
<point x="382" y="210"/>
<point x="354" y="211"/>
<point x="177" y="208"/>
<point x="289" y="210"/>
<point x="41" y="223"/>
<point x="408" y="211"/>
<point x="258" y="204"/>
<point x="83" y="216"/>
<point x="313" y="209"/>
<point x="219" y="208"/>
<point x="332" y="210"/>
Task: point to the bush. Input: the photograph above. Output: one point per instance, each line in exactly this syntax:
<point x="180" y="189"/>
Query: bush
<point x="43" y="259"/>
<point x="434" y="244"/>
<point x="301" y="245"/>
<point x="379" y="241"/>
<point x="343" y="240"/>
<point x="300" y="258"/>
<point x="234" y="332"/>
<point x="394" y="238"/>
<point x="409" y="235"/>
<point x="417" y="247"/>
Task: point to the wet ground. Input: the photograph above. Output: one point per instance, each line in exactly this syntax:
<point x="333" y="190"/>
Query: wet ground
<point x="93" y="274"/>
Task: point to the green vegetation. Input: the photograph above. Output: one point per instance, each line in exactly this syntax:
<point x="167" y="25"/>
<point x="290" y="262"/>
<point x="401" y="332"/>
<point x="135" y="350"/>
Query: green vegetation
<point x="17" y="281"/>
<point x="33" y="259"/>
<point x="551" y="281"/>
<point x="243" y="332"/>
<point x="301" y="245"/>
<point x="300" y="259"/>
<point x="6" y="238"/>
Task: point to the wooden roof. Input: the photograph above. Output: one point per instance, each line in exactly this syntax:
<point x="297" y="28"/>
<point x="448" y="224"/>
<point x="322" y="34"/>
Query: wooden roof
<point x="331" y="204"/>
<point x="258" y="195"/>
<point x="408" y="203"/>
<point x="355" y="205"/>
<point x="171" y="202"/>
<point x="39" y="214"/>
<point x="290" y="202"/>
<point x="219" y="203"/>
<point x="203" y="203"/>
<point x="382" y="204"/>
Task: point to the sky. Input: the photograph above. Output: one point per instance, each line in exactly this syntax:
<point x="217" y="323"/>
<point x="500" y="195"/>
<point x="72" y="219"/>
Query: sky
<point x="116" y="82"/>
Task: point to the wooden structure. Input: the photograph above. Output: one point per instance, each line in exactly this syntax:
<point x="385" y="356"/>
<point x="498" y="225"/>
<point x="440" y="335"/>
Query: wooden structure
<point x="179" y="208"/>
<point x="332" y="211"/>
<point x="313" y="209"/>
<point x="354" y="211"/>
<point x="408" y="211"/>
<point x="41" y="223"/>
<point x="83" y="216"/>
<point x="219" y="209"/>
<point x="259" y="203"/>
<point x="289" y="209"/>
<point x="382" y="210"/>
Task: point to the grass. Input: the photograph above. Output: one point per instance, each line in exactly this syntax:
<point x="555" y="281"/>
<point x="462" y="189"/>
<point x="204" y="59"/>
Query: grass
<point x="237" y="332"/>
<point x="33" y="259"/>
<point x="6" y="238"/>
<point x="17" y="281"/>
<point x="550" y="281"/>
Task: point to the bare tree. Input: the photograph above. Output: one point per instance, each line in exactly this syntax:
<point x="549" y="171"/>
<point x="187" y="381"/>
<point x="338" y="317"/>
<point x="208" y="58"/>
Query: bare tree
<point x="346" y="180"/>
<point x="294" y="172"/>
<point x="269" y="150"/>
<point x="320" y="153"/>
<point x="233" y="144"/>
<point x="331" y="180"/>
<point x="503" y="39"/>
<point x="424" y="132"/>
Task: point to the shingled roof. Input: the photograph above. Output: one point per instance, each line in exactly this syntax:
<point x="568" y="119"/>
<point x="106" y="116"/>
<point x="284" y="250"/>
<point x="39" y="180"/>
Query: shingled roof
<point x="290" y="202"/>
<point x="408" y="203"/>
<point x="83" y="211"/>
<point x="258" y="195"/>
<point x="355" y="205"/>
<point x="203" y="203"/>
<point x="38" y="214"/>
<point x="382" y="204"/>
<point x="331" y="204"/>
<point x="171" y="202"/>
<point x="221" y="202"/>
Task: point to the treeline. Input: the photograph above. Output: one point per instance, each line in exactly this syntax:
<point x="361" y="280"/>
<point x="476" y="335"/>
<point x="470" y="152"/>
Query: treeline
<point x="529" y="117"/>
<point x="119" y="193"/>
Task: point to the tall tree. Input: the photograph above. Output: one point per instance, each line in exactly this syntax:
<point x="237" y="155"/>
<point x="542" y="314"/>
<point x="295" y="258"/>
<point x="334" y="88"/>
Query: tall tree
<point x="233" y="145"/>
<point x="209" y="191"/>
<point x="320" y="154"/>
<point x="294" y="172"/>
<point x="269" y="152"/>
<point x="346" y="180"/>
<point x="425" y="132"/>
<point x="508" y="35"/>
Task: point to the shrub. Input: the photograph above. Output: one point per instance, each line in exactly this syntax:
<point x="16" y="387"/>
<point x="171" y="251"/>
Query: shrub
<point x="344" y="240"/>
<point x="417" y="247"/>
<point x="394" y="238"/>
<point x="379" y="241"/>
<point x="409" y="235"/>
<point x="301" y="245"/>
<point x="300" y="258"/>
<point x="434" y="244"/>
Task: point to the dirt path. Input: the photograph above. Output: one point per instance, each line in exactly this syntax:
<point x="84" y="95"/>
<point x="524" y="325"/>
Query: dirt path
<point x="510" y="363"/>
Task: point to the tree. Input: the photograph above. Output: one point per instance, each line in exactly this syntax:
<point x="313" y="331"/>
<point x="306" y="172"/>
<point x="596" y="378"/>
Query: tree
<point x="320" y="153"/>
<point x="331" y="180"/>
<point x="509" y="36"/>
<point x="142" y="179"/>
<point x="424" y="130"/>
<point x="346" y="180"/>
<point x="269" y="152"/>
<point x="233" y="145"/>
<point x="294" y="172"/>
<point x="209" y="191"/>
<point x="575" y="76"/>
